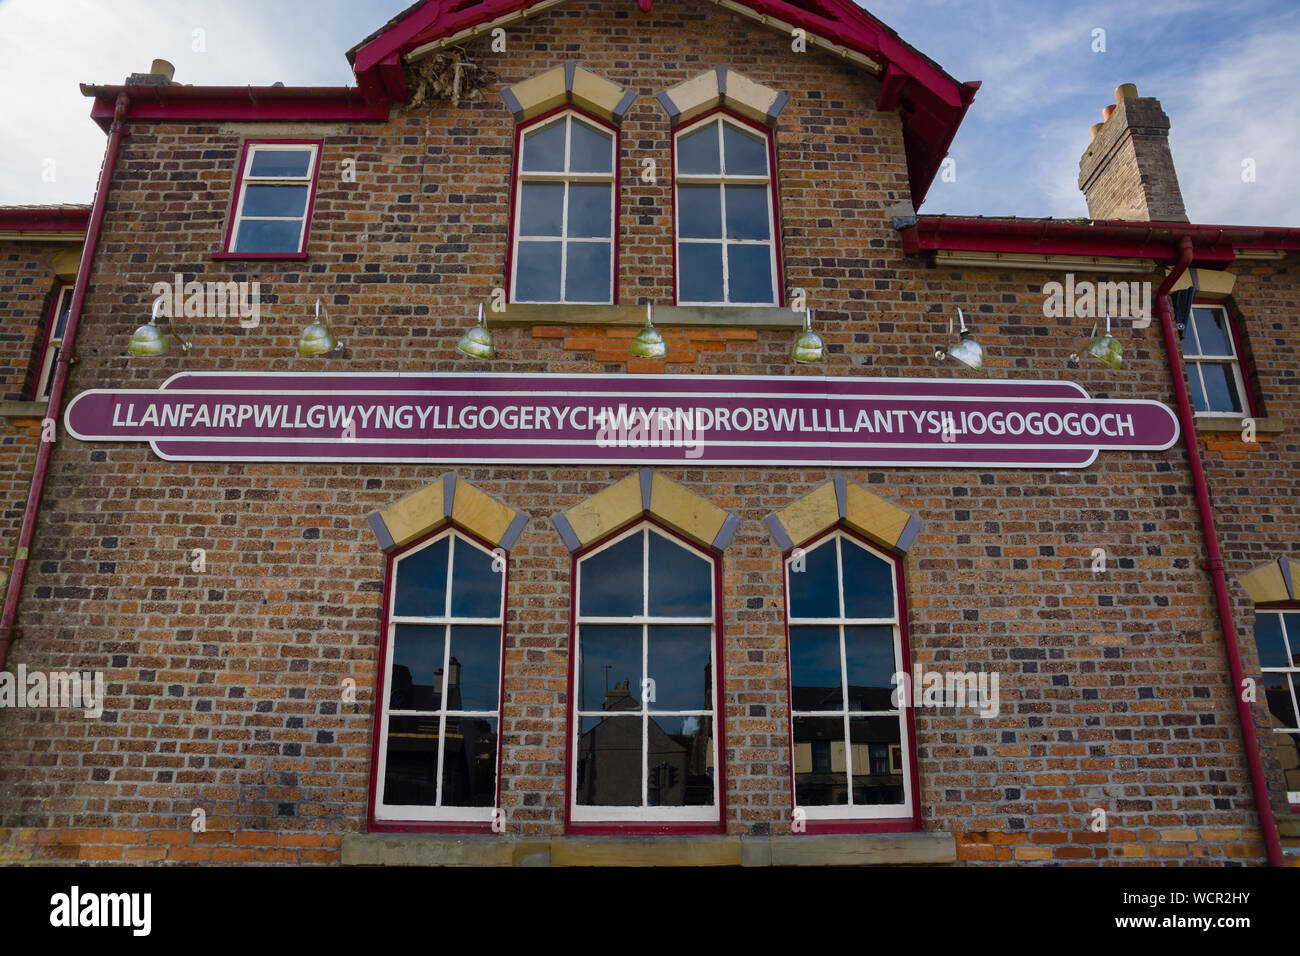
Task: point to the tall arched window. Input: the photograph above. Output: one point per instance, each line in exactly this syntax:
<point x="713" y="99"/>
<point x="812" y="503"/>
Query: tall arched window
<point x="725" y="214"/>
<point x="440" y="683"/>
<point x="565" y="211"/>
<point x="851" y="737"/>
<point x="645" y="685"/>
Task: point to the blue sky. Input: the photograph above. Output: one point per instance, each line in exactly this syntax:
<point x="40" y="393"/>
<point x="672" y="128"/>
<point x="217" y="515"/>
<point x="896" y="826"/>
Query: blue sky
<point x="1227" y="75"/>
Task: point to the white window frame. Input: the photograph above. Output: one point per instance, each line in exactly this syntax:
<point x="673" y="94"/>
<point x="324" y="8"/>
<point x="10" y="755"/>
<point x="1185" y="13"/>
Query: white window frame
<point x="1193" y="363"/>
<point x="1288" y="641"/>
<point x="53" y="343"/>
<point x="407" y="813"/>
<point x="850" y="811"/>
<point x="644" y="814"/>
<point x="245" y="180"/>
<point x="568" y="117"/>
<point x="723" y="179"/>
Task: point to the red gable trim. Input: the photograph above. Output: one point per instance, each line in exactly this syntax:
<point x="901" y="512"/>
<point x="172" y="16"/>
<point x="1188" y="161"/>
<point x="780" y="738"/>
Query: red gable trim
<point x="931" y="103"/>
<point x="168" y="103"/>
<point x="44" y="219"/>
<point x="1115" y="238"/>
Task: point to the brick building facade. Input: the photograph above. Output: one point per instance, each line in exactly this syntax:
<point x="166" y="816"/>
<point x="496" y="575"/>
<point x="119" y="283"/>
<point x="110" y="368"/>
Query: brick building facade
<point x="243" y="612"/>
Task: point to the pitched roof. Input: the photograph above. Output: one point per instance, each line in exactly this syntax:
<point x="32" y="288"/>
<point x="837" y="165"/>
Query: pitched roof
<point x="931" y="103"/>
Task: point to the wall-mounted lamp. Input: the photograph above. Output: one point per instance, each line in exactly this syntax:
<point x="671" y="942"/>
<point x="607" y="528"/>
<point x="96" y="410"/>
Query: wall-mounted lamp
<point x="965" y="350"/>
<point x="649" y="343"/>
<point x="1104" y="348"/>
<point x="477" y="341"/>
<point x="808" y="346"/>
<point x="149" y="340"/>
<point x="318" y="339"/>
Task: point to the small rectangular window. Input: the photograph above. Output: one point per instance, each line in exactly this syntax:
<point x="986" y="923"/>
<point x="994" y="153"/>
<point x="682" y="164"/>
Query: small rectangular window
<point x="273" y="201"/>
<point x="1213" y="365"/>
<point x="54" y="332"/>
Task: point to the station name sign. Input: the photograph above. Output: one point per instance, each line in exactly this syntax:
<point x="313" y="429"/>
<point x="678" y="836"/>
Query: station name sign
<point x="504" y="418"/>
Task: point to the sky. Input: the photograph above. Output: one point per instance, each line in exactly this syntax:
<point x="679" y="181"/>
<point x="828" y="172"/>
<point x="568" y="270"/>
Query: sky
<point x="1228" y="76"/>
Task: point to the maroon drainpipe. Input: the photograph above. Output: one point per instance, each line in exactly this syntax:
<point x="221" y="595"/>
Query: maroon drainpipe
<point x="1214" y="558"/>
<point x="44" y="449"/>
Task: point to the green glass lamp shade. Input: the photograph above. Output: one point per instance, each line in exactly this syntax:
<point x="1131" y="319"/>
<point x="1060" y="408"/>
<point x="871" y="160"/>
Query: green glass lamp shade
<point x="808" y="346"/>
<point x="317" y="339"/>
<point x="649" y="343"/>
<point x="477" y="343"/>
<point x="1106" y="348"/>
<point x="969" y="352"/>
<point x="147" y="340"/>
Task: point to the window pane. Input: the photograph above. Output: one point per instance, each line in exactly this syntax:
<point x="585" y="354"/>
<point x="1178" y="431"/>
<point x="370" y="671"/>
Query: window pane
<point x="680" y="664"/>
<point x="869" y="658"/>
<point x="749" y="273"/>
<point x="1277" y="693"/>
<point x="475" y="586"/>
<point x="416" y="682"/>
<point x="747" y="212"/>
<point x="680" y="762"/>
<point x="814" y="591"/>
<point x="609" y="762"/>
<point x="276" y="201"/>
<point x="1220" y="387"/>
<point x="611" y="580"/>
<point x="590" y="211"/>
<point x="1196" y="386"/>
<point x="814" y="784"/>
<point x="877" y="743"/>
<point x="699" y="267"/>
<point x="681" y="582"/>
<point x="815" y="673"/>
<point x="1212" y="332"/>
<point x="591" y="150"/>
<point x="1268" y="638"/>
<point x="422" y="582"/>
<point x="697" y="152"/>
<point x="65" y="306"/>
<point x="699" y="212"/>
<point x="541" y="209"/>
<point x="268" y="235"/>
<point x="411" y="763"/>
<point x="609" y="675"/>
<point x="1292" y="622"/>
<point x="544" y="149"/>
<point x="868" y="582"/>
<point x="538" y="272"/>
<point x="474" y="681"/>
<point x="588" y="276"/>
<point x="279" y="163"/>
<point x="469" y="765"/>
<point x="746" y="154"/>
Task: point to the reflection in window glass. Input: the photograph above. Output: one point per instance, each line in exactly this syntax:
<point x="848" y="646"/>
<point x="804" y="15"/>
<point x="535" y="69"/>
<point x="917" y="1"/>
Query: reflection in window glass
<point x="844" y="655"/>
<point x="1277" y="637"/>
<point x="726" y="248"/>
<point x="644" y="667"/>
<point x="440" y="721"/>
<point x="564" y="228"/>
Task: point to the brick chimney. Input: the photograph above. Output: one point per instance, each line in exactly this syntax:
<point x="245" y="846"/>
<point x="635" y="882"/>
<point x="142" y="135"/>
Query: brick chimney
<point x="1127" y="171"/>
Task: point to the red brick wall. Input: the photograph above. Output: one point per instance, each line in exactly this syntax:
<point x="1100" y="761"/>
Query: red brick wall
<point x="224" y="686"/>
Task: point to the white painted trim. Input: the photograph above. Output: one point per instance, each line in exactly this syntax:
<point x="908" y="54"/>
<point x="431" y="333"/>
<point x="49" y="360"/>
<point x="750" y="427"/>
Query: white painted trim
<point x="309" y="181"/>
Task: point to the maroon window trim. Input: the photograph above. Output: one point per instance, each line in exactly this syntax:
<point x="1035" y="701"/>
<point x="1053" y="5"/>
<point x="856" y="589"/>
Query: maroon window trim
<point x="381" y="688"/>
<point x="614" y="828"/>
<point x="515" y="168"/>
<point x="225" y="253"/>
<point x="778" y="280"/>
<point x="901" y="824"/>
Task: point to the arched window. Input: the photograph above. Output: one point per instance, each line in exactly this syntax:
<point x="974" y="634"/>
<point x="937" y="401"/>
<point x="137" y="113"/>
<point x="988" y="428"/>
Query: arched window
<point x="565" y="211"/>
<point x="851" y="738"/>
<point x="440" y="683"/>
<point x="725" y="214"/>
<point x="645" y="684"/>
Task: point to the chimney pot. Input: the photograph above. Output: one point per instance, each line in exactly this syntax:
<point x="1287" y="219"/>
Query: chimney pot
<point x="1105" y="114"/>
<point x="163" y="68"/>
<point x="1093" y="130"/>
<point x="1125" y="91"/>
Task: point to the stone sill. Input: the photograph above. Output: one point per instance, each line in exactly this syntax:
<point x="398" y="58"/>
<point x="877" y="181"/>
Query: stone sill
<point x="1263" y="426"/>
<point x="23" y="409"/>
<point x="700" y="316"/>
<point x="879" y="849"/>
